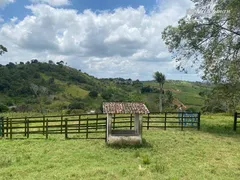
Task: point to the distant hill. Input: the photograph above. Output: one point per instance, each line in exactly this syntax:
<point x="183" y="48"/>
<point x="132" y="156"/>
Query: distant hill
<point x="41" y="86"/>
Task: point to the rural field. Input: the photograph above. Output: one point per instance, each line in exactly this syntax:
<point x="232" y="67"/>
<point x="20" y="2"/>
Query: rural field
<point x="211" y="153"/>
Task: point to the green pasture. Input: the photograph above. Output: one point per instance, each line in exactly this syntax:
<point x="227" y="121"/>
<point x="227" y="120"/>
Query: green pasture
<point x="211" y="153"/>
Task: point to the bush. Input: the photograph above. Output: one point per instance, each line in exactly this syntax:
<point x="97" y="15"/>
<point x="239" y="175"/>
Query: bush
<point x="93" y="94"/>
<point x="76" y="105"/>
<point x="106" y="95"/>
<point x="3" y="108"/>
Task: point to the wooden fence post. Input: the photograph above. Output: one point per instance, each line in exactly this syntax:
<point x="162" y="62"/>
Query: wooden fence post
<point x="113" y="121"/>
<point x="165" y="121"/>
<point x="61" y="124"/>
<point x="3" y="132"/>
<point x="106" y="130"/>
<point x="198" y="124"/>
<point x="131" y="121"/>
<point x="235" y="121"/>
<point x="87" y="130"/>
<point x="10" y="128"/>
<point x="47" y="128"/>
<point x="148" y="118"/>
<point x="182" y="122"/>
<point x="97" y="122"/>
<point x="79" y="123"/>
<point x="27" y="128"/>
<point x="2" y="126"/>
<point x="7" y="125"/>
<point x="43" y="124"/>
<point x="66" y="128"/>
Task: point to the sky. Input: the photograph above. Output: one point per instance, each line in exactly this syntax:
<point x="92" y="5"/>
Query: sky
<point x="104" y="38"/>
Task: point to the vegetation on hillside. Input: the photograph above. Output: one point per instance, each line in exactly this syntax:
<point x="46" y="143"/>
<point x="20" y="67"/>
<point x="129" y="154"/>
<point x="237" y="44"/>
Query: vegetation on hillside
<point x="43" y="87"/>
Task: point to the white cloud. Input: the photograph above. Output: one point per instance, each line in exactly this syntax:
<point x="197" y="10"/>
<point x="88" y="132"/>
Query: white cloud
<point x="3" y="3"/>
<point x="53" y="2"/>
<point x="123" y="43"/>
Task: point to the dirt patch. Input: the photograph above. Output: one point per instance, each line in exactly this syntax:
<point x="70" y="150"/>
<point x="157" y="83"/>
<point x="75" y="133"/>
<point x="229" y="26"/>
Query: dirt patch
<point x="179" y="103"/>
<point x="173" y="90"/>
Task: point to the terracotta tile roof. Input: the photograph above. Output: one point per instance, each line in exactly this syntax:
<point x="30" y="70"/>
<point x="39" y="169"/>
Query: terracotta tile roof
<point x="125" y="108"/>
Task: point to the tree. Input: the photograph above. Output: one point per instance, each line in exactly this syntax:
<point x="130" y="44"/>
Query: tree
<point x="2" y="49"/>
<point x="209" y="36"/>
<point x="160" y="78"/>
<point x="39" y="92"/>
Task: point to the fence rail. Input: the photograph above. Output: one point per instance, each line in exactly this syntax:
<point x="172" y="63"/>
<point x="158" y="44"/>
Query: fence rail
<point x="90" y="126"/>
<point x="235" y="122"/>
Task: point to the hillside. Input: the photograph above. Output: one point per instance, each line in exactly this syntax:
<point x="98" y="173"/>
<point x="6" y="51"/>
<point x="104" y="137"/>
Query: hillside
<point x="45" y="87"/>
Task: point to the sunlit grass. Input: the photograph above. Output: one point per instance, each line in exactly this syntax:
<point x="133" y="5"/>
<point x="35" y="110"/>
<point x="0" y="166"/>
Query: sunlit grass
<point x="211" y="153"/>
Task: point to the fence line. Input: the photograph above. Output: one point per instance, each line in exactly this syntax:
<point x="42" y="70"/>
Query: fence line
<point x="91" y="126"/>
<point x="235" y="122"/>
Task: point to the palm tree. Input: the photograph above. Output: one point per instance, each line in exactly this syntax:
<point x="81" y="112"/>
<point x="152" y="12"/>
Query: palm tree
<point x="2" y="49"/>
<point x="160" y="78"/>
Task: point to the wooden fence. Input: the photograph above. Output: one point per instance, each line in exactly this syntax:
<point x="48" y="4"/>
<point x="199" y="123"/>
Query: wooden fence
<point x="90" y="126"/>
<point x="236" y="116"/>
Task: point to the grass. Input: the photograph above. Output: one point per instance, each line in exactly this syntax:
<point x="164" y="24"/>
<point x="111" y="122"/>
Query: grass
<point x="212" y="153"/>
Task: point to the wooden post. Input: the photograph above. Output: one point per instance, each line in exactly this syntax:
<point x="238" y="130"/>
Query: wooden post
<point x="87" y="130"/>
<point x="131" y="122"/>
<point x="66" y="128"/>
<point x="165" y="121"/>
<point x="10" y="128"/>
<point x="7" y="121"/>
<point x="47" y="128"/>
<point x="109" y="125"/>
<point x="106" y="131"/>
<point x="97" y="122"/>
<point x="2" y="120"/>
<point x="182" y="122"/>
<point x="43" y="124"/>
<point x="61" y="124"/>
<point x="235" y="121"/>
<point x="136" y="123"/>
<point x="79" y="123"/>
<point x="113" y="121"/>
<point x="27" y="128"/>
<point x="198" y="124"/>
<point x="148" y="118"/>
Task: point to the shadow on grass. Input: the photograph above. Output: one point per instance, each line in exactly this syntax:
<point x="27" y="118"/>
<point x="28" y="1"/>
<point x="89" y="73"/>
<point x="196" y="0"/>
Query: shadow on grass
<point x="223" y="129"/>
<point x="144" y="144"/>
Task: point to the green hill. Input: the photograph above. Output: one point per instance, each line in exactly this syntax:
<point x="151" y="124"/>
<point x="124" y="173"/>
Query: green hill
<point x="46" y="87"/>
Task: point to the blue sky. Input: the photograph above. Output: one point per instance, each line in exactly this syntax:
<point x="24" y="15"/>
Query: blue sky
<point x="17" y="9"/>
<point x="105" y="38"/>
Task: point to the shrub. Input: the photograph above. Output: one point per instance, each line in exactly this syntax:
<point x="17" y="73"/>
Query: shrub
<point x="76" y="105"/>
<point x="3" y="108"/>
<point x="93" y="94"/>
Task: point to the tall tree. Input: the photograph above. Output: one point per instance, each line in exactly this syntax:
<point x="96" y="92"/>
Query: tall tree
<point x="2" y="49"/>
<point x="208" y="37"/>
<point x="160" y="78"/>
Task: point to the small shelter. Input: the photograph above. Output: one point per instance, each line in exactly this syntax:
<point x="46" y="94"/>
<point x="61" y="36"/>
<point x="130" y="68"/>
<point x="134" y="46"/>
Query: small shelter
<point x="125" y="136"/>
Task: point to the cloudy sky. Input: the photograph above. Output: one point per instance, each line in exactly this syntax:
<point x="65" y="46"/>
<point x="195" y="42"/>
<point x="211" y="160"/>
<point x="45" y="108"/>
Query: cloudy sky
<point x="105" y="38"/>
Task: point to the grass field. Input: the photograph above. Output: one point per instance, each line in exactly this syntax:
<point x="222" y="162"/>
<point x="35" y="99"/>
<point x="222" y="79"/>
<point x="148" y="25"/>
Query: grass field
<point x="211" y="153"/>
